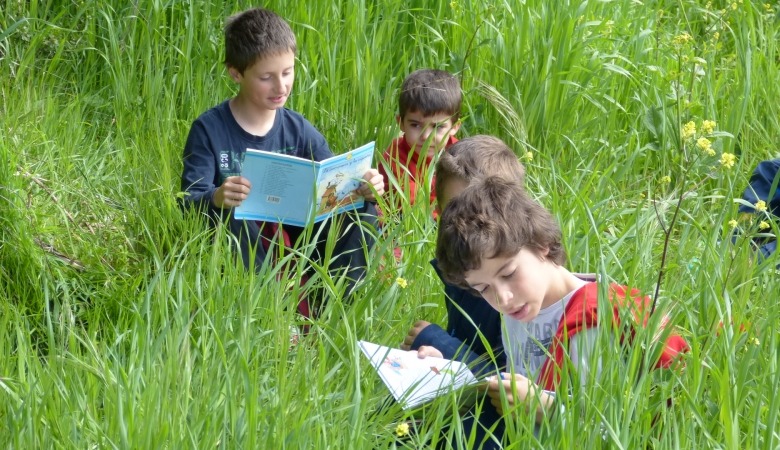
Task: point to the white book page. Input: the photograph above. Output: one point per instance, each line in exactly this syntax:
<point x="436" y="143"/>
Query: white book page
<point x="412" y="380"/>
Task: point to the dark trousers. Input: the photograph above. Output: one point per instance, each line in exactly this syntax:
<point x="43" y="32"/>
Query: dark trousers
<point x="354" y="236"/>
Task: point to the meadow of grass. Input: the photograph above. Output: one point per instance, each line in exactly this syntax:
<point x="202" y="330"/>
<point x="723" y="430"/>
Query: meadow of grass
<point x="126" y="324"/>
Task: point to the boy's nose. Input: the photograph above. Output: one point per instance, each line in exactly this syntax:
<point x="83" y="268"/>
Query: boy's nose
<point x="503" y="296"/>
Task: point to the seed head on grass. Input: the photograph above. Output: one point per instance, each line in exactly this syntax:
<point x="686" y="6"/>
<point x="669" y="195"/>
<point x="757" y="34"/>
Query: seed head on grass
<point x="764" y="225"/>
<point x="401" y="282"/>
<point x="760" y="206"/>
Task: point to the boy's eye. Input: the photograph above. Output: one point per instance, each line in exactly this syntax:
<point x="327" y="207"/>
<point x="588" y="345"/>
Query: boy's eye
<point x="480" y="290"/>
<point x="509" y="275"/>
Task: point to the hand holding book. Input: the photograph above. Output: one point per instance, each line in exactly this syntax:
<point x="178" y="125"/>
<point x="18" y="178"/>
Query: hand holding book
<point x="413" y="380"/>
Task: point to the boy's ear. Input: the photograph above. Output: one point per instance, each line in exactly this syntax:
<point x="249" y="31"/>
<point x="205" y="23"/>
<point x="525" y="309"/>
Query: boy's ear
<point x="235" y="74"/>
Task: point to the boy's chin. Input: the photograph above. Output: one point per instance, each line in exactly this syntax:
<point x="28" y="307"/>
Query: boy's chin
<point x="427" y="151"/>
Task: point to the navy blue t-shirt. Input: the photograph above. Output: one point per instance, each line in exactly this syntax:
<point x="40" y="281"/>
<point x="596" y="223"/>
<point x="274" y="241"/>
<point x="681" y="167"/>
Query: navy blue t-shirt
<point x="764" y="185"/>
<point x="216" y="146"/>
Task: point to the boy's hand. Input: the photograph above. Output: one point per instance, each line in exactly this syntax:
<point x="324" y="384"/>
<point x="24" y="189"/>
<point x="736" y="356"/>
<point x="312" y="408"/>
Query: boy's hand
<point x="373" y="186"/>
<point x="232" y="192"/>
<point x="523" y="387"/>
<point x="412" y="334"/>
<point x="426" y="351"/>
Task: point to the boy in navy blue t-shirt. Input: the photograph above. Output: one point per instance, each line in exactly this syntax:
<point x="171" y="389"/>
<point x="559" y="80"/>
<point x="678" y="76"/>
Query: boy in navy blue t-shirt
<point x="260" y="57"/>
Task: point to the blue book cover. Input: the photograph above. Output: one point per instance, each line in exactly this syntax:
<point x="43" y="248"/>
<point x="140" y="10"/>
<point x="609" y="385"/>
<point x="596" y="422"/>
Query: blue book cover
<point x="295" y="191"/>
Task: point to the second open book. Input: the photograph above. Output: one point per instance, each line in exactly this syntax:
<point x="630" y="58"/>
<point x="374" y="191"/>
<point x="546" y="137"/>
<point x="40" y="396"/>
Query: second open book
<point x="414" y="381"/>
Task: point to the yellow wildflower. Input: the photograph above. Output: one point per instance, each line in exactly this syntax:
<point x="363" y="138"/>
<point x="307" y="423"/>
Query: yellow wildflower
<point x="708" y="126"/>
<point x="401" y="282"/>
<point x="734" y="6"/>
<point x="529" y="156"/>
<point x="682" y="39"/>
<point x="402" y="429"/>
<point x="767" y="7"/>
<point x="728" y="160"/>
<point x="705" y="145"/>
<point x="708" y="5"/>
<point x="688" y="130"/>
<point x="755" y="341"/>
<point x="760" y="206"/>
<point x="733" y="223"/>
<point x="763" y="225"/>
<point x="666" y="179"/>
<point x="715" y="36"/>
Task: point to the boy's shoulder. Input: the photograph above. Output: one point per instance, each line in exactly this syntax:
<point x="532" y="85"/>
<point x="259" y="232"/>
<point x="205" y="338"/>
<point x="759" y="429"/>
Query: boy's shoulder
<point x="216" y="112"/>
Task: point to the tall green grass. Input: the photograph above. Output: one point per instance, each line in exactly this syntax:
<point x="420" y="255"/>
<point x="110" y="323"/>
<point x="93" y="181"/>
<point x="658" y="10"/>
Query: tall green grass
<point x="126" y="324"/>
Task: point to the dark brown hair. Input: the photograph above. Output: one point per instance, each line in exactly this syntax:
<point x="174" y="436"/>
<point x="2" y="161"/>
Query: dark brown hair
<point x="492" y="218"/>
<point x="255" y="34"/>
<point x="430" y="91"/>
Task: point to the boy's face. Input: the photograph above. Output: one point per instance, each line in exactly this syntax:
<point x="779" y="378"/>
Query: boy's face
<point x="518" y="286"/>
<point x="268" y="82"/>
<point x="418" y="129"/>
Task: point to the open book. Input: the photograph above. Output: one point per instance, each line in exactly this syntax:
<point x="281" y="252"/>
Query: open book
<point x="414" y="381"/>
<point x="295" y="191"/>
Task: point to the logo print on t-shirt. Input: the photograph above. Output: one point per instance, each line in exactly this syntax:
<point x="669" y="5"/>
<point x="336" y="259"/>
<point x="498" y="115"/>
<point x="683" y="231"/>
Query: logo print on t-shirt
<point x="230" y="163"/>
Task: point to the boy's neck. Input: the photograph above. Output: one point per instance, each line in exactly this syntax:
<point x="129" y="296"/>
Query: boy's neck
<point x="253" y="120"/>
<point x="565" y="283"/>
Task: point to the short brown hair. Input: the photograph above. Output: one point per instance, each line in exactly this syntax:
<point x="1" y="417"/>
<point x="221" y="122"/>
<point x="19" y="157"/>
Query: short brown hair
<point x="430" y="91"/>
<point x="255" y="34"/>
<point x="477" y="157"/>
<point x="492" y="218"/>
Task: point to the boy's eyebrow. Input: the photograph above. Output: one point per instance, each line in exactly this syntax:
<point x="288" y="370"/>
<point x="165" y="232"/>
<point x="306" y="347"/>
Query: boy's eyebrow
<point x="500" y="269"/>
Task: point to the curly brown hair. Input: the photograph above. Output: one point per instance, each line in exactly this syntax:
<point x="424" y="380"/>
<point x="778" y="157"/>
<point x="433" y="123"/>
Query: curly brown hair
<point x="491" y="218"/>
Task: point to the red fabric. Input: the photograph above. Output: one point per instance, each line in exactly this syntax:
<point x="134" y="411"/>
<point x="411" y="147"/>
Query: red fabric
<point x="581" y="313"/>
<point x="406" y="167"/>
